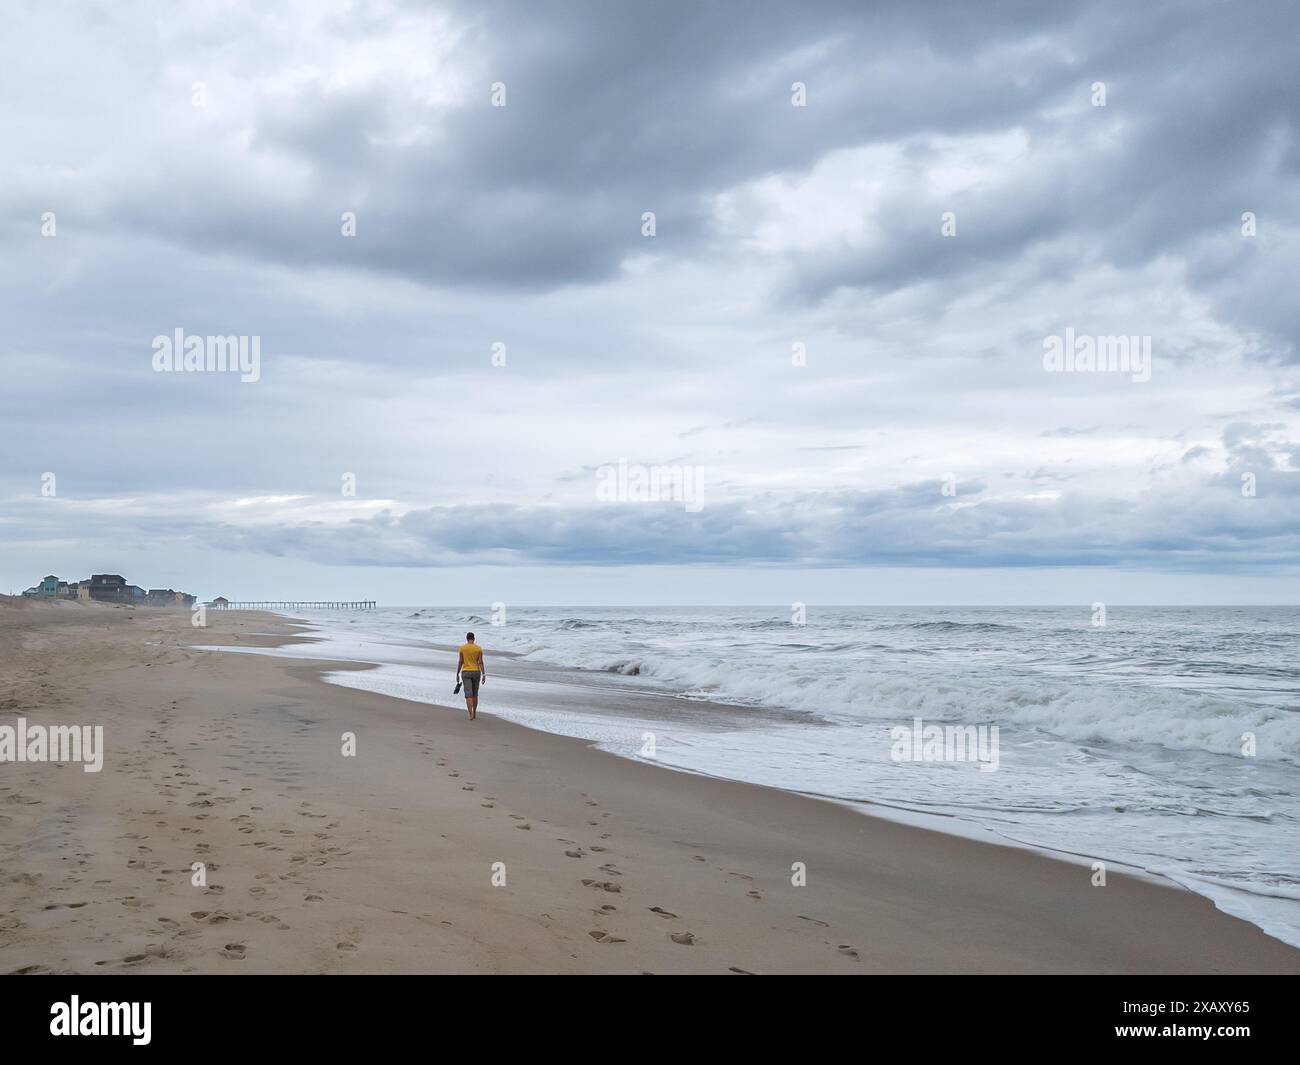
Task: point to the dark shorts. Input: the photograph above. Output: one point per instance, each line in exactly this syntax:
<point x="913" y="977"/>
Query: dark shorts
<point x="469" y="678"/>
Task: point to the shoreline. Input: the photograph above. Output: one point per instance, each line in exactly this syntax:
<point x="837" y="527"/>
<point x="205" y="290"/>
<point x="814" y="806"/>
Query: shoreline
<point x="542" y="687"/>
<point x="383" y="862"/>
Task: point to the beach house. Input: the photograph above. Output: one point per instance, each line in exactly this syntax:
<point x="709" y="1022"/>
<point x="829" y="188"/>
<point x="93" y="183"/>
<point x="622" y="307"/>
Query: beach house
<point x="169" y="597"/>
<point x="104" y="588"/>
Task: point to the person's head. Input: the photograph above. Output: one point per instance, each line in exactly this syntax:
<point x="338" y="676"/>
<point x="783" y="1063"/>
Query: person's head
<point x="469" y="636"/>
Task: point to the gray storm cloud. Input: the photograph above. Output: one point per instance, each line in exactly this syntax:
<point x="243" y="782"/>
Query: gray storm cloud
<point x="779" y="228"/>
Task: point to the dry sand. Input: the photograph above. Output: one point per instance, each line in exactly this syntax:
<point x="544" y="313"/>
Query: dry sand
<point x="383" y="862"/>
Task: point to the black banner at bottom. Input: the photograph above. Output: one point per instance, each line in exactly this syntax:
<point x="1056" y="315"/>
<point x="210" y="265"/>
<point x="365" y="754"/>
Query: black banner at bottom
<point x="299" y="1013"/>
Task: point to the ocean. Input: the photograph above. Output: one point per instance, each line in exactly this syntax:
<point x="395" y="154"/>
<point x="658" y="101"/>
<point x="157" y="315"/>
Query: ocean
<point x="1166" y="739"/>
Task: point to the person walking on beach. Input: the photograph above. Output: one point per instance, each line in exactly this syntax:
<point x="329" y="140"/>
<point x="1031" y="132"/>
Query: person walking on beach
<point x="470" y="672"/>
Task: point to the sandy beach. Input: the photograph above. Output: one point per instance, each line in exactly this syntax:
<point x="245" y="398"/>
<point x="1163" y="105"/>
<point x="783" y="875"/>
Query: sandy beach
<point x="391" y="860"/>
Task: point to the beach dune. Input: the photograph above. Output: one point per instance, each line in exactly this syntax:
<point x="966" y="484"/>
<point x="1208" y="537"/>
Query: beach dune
<point x="250" y="818"/>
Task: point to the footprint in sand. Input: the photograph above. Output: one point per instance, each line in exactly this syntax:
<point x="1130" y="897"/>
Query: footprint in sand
<point x="819" y="924"/>
<point x="597" y="849"/>
<point x="662" y="912"/>
<point x="603" y="885"/>
<point x="686" y="939"/>
<point x="345" y="946"/>
<point x="755" y="896"/>
<point x="235" y="951"/>
<point x="573" y="854"/>
<point x="525" y="826"/>
<point x="740" y="971"/>
<point x="848" y="951"/>
<point x="488" y="805"/>
<point x="605" y="937"/>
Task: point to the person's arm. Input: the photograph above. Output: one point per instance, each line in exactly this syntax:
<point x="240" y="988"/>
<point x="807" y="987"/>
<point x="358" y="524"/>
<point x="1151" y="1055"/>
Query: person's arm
<point x="482" y="661"/>
<point x="460" y="661"/>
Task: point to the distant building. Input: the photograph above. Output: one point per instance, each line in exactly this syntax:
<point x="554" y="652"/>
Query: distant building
<point x="169" y="597"/>
<point x="52" y="588"/>
<point x="220" y="601"/>
<point x="105" y="588"/>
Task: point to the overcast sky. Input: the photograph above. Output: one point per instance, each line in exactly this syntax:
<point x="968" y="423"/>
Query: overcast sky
<point x="859" y="399"/>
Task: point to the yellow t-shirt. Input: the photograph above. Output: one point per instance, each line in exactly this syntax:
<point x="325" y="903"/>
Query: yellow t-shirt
<point x="472" y="654"/>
